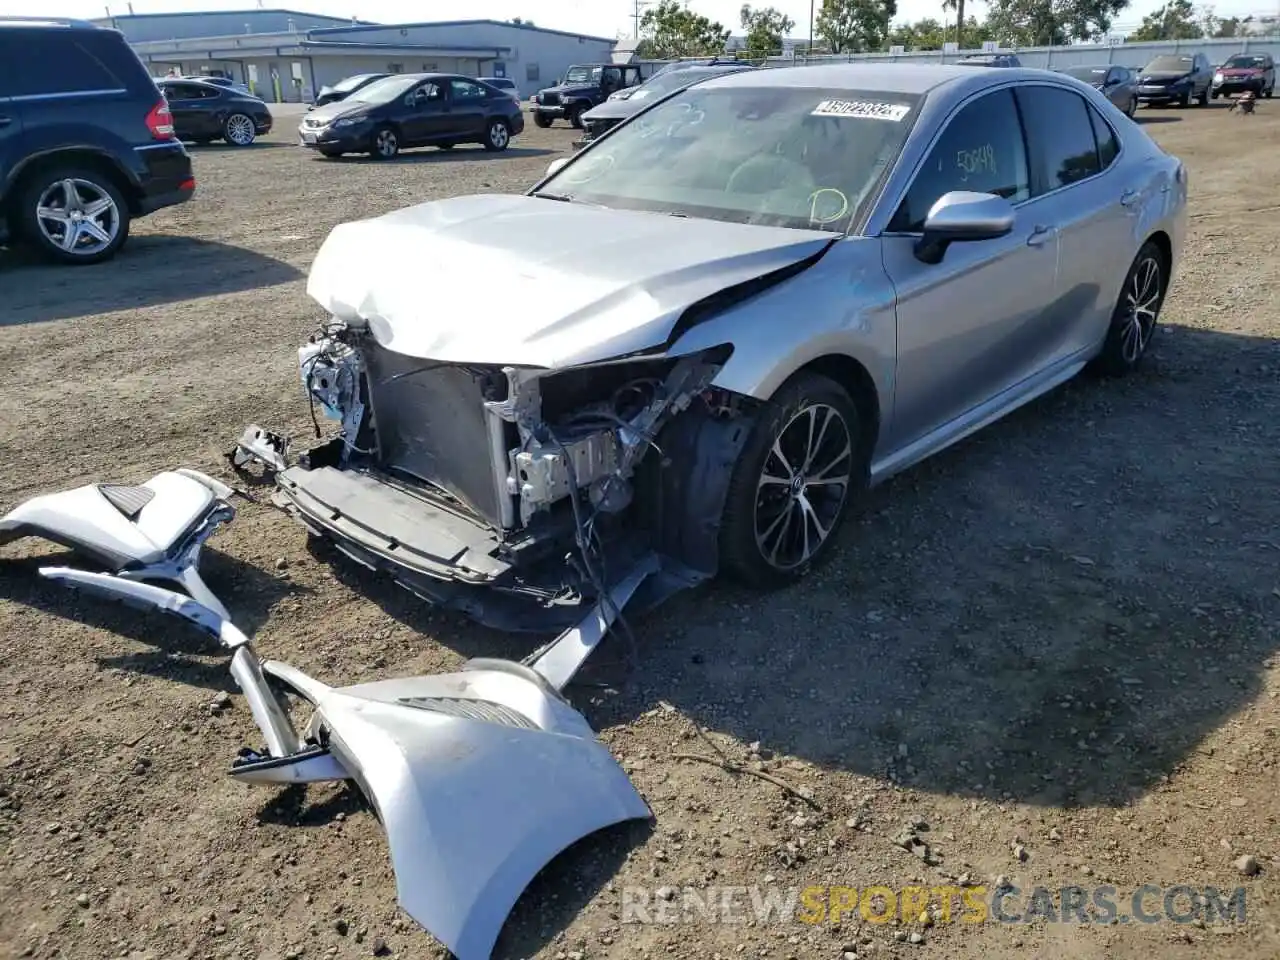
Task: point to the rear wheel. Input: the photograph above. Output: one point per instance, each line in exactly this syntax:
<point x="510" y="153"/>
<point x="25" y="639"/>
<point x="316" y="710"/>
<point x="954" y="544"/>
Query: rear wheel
<point x="1270" y="90"/>
<point x="497" y="135"/>
<point x="385" y="144"/>
<point x="793" y="483"/>
<point x="239" y="130"/>
<point x="1134" y="321"/>
<point x="74" y="215"/>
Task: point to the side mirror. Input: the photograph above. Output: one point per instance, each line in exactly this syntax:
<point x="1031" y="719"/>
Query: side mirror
<point x="961" y="217"/>
<point x="556" y="165"/>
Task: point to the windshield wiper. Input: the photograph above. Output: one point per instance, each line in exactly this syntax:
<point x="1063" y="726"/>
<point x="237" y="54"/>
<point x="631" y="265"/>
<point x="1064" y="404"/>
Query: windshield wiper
<point x="567" y="198"/>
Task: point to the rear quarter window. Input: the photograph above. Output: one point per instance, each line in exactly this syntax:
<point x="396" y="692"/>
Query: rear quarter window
<point x="56" y="62"/>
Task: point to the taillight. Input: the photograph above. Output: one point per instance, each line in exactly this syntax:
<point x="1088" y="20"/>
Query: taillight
<point x="160" y="121"/>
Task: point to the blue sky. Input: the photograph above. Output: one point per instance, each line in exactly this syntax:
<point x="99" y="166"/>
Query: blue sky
<point x="600" y="17"/>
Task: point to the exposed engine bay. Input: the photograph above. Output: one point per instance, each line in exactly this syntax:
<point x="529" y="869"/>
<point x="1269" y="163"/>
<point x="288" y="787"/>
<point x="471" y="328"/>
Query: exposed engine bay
<point x="542" y="485"/>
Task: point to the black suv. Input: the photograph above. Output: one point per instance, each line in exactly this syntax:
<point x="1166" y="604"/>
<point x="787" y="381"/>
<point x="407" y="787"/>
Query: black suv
<point x="583" y="86"/>
<point x="86" y="140"/>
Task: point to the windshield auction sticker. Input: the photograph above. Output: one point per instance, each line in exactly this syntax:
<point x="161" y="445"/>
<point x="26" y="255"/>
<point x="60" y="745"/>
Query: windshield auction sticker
<point x="861" y="108"/>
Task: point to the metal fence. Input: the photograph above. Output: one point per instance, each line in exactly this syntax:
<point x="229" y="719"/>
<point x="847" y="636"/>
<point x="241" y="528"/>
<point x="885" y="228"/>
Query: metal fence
<point x="1051" y="58"/>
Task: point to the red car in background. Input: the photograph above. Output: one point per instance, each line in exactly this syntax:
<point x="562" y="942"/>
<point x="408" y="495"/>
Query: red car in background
<point x="1254" y="72"/>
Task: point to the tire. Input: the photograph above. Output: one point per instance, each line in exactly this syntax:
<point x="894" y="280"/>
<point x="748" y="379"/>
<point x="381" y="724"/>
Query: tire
<point x="1131" y="329"/>
<point x="48" y="192"/>
<point x="497" y="135"/>
<point x="1184" y="100"/>
<point x="1217" y="94"/>
<point x="385" y="144"/>
<point x="575" y="118"/>
<point x="238" y="130"/>
<point x="1270" y="90"/>
<point x="1133" y="108"/>
<point x="331" y="154"/>
<point x="541" y="120"/>
<point x="760" y="543"/>
<point x="1203" y="99"/>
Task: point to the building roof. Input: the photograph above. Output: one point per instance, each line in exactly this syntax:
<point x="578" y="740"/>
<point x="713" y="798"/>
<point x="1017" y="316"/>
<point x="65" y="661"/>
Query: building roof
<point x="465" y="23"/>
<point x="232" y="13"/>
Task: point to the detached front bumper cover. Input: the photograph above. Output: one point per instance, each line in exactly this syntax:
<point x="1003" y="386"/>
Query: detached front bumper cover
<point x="480" y="777"/>
<point x="153" y="531"/>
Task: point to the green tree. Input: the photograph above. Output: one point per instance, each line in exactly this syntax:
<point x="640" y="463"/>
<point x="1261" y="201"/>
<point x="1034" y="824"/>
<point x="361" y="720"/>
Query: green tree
<point x="926" y="34"/>
<point x="1176" y="20"/>
<point x="958" y="7"/>
<point x="850" y="26"/>
<point x="672" y="30"/>
<point x="1029" y="23"/>
<point x="929" y="34"/>
<point x="765" y="27"/>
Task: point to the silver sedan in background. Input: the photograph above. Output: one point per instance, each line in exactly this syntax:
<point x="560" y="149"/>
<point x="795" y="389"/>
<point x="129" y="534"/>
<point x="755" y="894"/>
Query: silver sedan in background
<point x="1117" y="84"/>
<point x="726" y="318"/>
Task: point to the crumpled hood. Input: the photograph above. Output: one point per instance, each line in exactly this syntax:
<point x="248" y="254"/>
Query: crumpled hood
<point x="527" y="281"/>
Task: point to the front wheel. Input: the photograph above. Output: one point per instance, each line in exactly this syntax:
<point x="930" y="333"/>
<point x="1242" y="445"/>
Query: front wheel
<point x="239" y="130"/>
<point x="575" y="118"/>
<point x="792" y="485"/>
<point x="1270" y="90"/>
<point x="497" y="136"/>
<point x="1203" y="99"/>
<point x="74" y="215"/>
<point x="1133" y="322"/>
<point x="541" y="120"/>
<point x="385" y="144"/>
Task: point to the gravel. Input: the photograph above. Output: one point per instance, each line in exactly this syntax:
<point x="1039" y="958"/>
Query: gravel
<point x="968" y="657"/>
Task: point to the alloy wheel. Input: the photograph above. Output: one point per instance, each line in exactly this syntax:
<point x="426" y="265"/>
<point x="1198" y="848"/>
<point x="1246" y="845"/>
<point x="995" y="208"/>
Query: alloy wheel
<point x="802" y="486"/>
<point x="386" y="144"/>
<point x="77" y="216"/>
<point x="240" y="130"/>
<point x="1141" y="307"/>
<point x="498" y="135"/>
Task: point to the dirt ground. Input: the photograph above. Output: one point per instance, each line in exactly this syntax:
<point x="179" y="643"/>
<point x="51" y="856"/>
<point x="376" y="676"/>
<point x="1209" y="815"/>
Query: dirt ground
<point x="1055" y="645"/>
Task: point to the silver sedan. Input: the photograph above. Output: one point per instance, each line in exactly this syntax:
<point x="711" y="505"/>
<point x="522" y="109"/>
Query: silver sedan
<point x="704" y="335"/>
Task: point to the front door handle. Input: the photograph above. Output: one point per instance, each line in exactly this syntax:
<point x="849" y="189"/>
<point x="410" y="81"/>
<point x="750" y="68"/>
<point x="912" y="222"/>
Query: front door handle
<point x="1040" y="236"/>
<point x="1129" y="198"/>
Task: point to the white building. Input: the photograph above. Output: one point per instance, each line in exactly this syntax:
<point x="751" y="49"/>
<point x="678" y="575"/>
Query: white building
<point x="287" y="55"/>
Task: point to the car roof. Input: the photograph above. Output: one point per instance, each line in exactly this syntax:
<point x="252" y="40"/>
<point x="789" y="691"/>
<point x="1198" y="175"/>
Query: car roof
<point x="906" y="78"/>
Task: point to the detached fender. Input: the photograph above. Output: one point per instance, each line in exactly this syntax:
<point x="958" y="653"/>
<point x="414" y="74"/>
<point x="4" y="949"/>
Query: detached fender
<point x="474" y="808"/>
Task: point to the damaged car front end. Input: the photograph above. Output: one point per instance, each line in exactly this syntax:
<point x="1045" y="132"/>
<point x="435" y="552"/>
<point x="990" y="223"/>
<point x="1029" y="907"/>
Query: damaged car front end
<point x="516" y="467"/>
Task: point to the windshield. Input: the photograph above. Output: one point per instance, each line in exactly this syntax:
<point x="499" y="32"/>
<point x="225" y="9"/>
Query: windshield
<point x="583" y="75"/>
<point x="384" y="90"/>
<point x="776" y="156"/>
<point x="1087" y="74"/>
<point x="1246" y="63"/>
<point x="660" y="86"/>
<point x="1168" y="64"/>
<point x="342" y="86"/>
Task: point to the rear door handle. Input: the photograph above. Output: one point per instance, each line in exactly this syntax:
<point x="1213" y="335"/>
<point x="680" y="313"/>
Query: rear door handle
<point x="1129" y="198"/>
<point x="1040" y="236"/>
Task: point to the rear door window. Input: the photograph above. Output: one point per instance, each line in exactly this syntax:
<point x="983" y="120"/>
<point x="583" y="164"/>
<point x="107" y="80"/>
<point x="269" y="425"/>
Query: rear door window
<point x="51" y="62"/>
<point x="1063" y="150"/>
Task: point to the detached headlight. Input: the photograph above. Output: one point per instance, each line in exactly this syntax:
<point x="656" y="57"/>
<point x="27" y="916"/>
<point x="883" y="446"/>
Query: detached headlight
<point x="1217" y="78"/>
